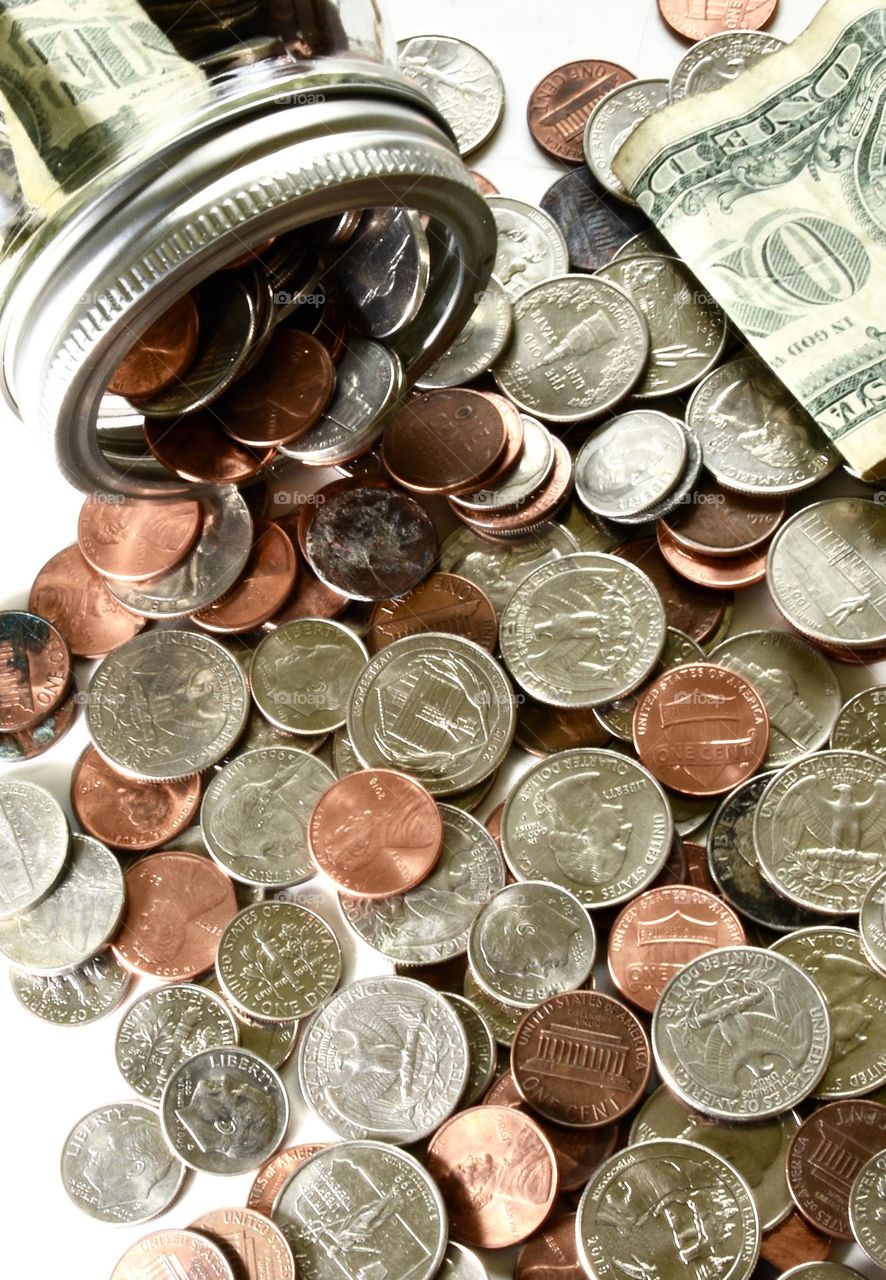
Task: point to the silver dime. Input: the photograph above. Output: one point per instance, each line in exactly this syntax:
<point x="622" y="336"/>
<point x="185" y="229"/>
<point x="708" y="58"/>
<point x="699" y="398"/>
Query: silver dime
<point x="595" y="822"/>
<point x="533" y="467"/>
<point x="384" y="1058"/>
<point x="718" y="59"/>
<point x="463" y="84"/>
<point x="684" y="487"/>
<point x="117" y="1167"/>
<point x="482" y="1053"/>
<point x="580" y="345"/>
<point x="866" y="1215"/>
<point x="384" y="274"/>
<point x="255" y="815"/>
<point x="687" y="330"/>
<point x="344" y="757"/>
<point x="500" y="569"/>
<point x="583" y="630"/>
<point x="166" y="704"/>
<point x="796" y="683"/>
<point x="481" y="342"/>
<point x="431" y="922"/>
<point x="224" y="1111"/>
<point x="302" y="674"/>
<point x="630" y="463"/>
<point x="826" y="567"/>
<point x="667" y="1209"/>
<point x="741" y="1034"/>
<point x="460" y="1263"/>
<point x="530" y="941"/>
<point x="357" y="1199"/>
<point x="77" y="996"/>
<point x="273" y="1042"/>
<point x="75" y="920"/>
<point x="614" y="118"/>
<point x="819" y="830"/>
<point x="872" y="924"/>
<point x="618" y="716"/>
<point x="502" y="1018"/>
<point x="277" y="961"/>
<point x="438" y="706"/>
<point x="861" y="724"/>
<point x="164" y="1028"/>
<point x="34" y="841"/>
<point x="531" y="247"/>
<point x="756" y="438"/>
<point x="214" y="564"/>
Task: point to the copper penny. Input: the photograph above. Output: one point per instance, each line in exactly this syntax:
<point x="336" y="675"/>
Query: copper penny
<point x="255" y="1247"/>
<point x="792" y="1242"/>
<point x="552" y="1254"/>
<point x="158" y="358"/>
<point x="659" y="932"/>
<point x="125" y="812"/>
<point x="826" y="1153"/>
<point x="136" y="540"/>
<point x="35" y="669"/>
<point x="719" y="522"/>
<point x="70" y="593"/>
<point x="498" y="1175"/>
<point x="283" y="395"/>
<point x="694" y="21"/>
<point x="560" y="104"/>
<point x="444" y="441"/>
<point x="581" y="1059"/>
<point x="376" y="833"/>
<point x="310" y="598"/>
<point x="493" y="822"/>
<point x="271" y="1177"/>
<point x="332" y="330"/>
<point x="162" y="1255"/>
<point x="693" y="610"/>
<point x="198" y="448"/>
<point x="177" y="905"/>
<point x="513" y="445"/>
<point x="724" y="573"/>
<point x="27" y="744"/>
<point x="542" y="507"/>
<point x="543" y="730"/>
<point x="701" y="729"/>
<point x="261" y="590"/>
<point x="443" y="602"/>
<point x="483" y="185"/>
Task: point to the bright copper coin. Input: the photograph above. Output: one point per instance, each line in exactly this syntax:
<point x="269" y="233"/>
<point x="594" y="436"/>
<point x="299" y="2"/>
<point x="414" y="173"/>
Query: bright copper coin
<point x="126" y="813"/>
<point x="255" y="1247"/>
<point x="173" y="1255"/>
<point x="724" y="573"/>
<point x="27" y="744"/>
<point x="542" y="730"/>
<point x="443" y="602"/>
<point x="161" y="355"/>
<point x="35" y="669"/>
<point x="542" y="507"/>
<point x="283" y="395"/>
<point x="701" y="729"/>
<point x="376" y="833"/>
<point x="177" y="905"/>
<point x="719" y="522"/>
<point x="498" y="1175"/>
<point x="198" y="448"/>
<point x="694" y="21"/>
<point x="262" y="589"/>
<point x="70" y="593"/>
<point x="560" y="105"/>
<point x="136" y="540"/>
<point x="277" y="1171"/>
<point x="484" y="186"/>
<point x="445" y="441"/>
<point x="693" y="610"/>
<point x="659" y="932"/>
<point x="826" y="1153"/>
<point x="792" y="1242"/>
<point x="581" y="1059"/>
<point x="552" y="1254"/>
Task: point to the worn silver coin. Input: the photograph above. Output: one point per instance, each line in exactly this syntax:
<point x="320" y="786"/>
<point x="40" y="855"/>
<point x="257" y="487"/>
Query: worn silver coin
<point x="463" y="84"/>
<point x="164" y="1028"/>
<point x="500" y="569"/>
<point x="611" y="122"/>
<point x="385" y="1058"/>
<point x="34" y="842"/>
<point x="302" y="674"/>
<point x="718" y="59"/>
<point x="861" y="723"/>
<point x="482" y="1052"/>
<point x="630" y="463"/>
<point x="872" y="924"/>
<point x="533" y="468"/>
<point x="531" y="247"/>
<point x="481" y="342"/>
<point x="866" y="1212"/>
<point x="383" y="275"/>
<point x="77" y="996"/>
<point x="273" y="1042"/>
<point x="618" y="716"/>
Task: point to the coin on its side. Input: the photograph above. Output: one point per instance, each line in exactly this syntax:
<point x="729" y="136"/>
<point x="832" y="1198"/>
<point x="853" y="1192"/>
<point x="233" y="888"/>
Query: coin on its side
<point x="164" y="1028"/>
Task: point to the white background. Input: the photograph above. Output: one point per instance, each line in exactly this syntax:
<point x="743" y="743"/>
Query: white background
<point x="51" y="1076"/>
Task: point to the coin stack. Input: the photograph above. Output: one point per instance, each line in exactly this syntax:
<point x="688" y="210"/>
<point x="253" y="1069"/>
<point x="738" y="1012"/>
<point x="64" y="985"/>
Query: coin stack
<point x="623" y="1051"/>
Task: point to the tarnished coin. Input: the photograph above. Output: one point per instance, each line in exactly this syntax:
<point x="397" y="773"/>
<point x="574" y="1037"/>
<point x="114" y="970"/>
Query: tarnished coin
<point x="224" y="1111"/>
<point x="255" y="815"/>
<point x="583" y="630"/>
<point x="714" y="521"/>
<point x="369" y="1183"/>
<point x="164" y="1028"/>
<point x="498" y="570"/>
<point x="618" y="717"/>
<point x="575" y="332"/>
<point x="595" y="822"/>
<point x="432" y="921"/>
<point x="819" y="828"/>
<point x="866" y="1215"/>
<point x="594" y="224"/>
<point x="75" y="919"/>
<point x="443" y="602"/>
<point x="718" y="59"/>
<point x="742" y="1034"/>
<point x="385" y="1058"/>
<point x="481" y="342"/>
<point x="543" y="730"/>
<point x="34" y="842"/>
<point x="187" y="1255"/>
<point x="561" y="103"/>
<point x="437" y="706"/>
<point x="826" y="1155"/>
<point x="701" y="614"/>
<point x="482" y="1051"/>
<point x="755" y="436"/>
<point x="530" y="941"/>
<point x="28" y="744"/>
<point x="273" y="1042"/>
<point x="116" y="1165"/>
<point x="445" y="441"/>
<point x="861" y="723"/>
<point x="383" y="277"/>
<point x="35" y="669"/>
<point x="257" y="1247"/>
<point x="464" y="85"/>
<point x="166" y="704"/>
<point x="630" y="463"/>
<point x="277" y="961"/>
<point x="872" y="924"/>
<point x="77" y="996"/>
<point x="855" y="995"/>
<point x="756" y="1151"/>
<point x="531" y="247"/>
<point x="612" y="121"/>
<point x="302" y="674"/>
<point x="648" y="1205"/>
<point x="503" y="1018"/>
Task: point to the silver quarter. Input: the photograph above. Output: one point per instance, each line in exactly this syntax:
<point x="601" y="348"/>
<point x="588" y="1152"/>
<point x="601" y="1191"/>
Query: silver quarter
<point x="630" y="463"/>
<point x="482" y="1052"/>
<point x="500" y="569"/>
<point x="613" y="120"/>
<point x="872" y="924"/>
<point x="164" y="1028"/>
<point x="34" y="842"/>
<point x="481" y="342"/>
<point x="463" y="84"/>
<point x="861" y="724"/>
<point x="618" y="717"/>
<point x="533" y="468"/>
<point x="384" y="1058"/>
<point x="383" y="275"/>
<point x="866" y="1208"/>
<point x="718" y="59"/>
<point x="531" y="247"/>
<point x="77" y="996"/>
<point x="503" y="1018"/>
<point x="273" y="1042"/>
<point x="302" y="674"/>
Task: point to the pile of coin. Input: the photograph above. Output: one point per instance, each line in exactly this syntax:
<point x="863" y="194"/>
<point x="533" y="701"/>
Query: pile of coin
<point x="626" y="1052"/>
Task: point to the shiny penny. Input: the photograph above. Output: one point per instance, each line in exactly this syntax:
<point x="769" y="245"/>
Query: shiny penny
<point x="443" y="602"/>
<point x="185" y="1255"/>
<point x="445" y="441"/>
<point x="70" y="594"/>
<point x="274" y="1173"/>
<point x="197" y="447"/>
<point x="255" y="1247"/>
<point x="825" y="1156"/>
<point x="135" y="540"/>
<point x="560" y="104"/>
<point x="694" y="23"/>
<point x="128" y="813"/>
<point x="283" y="395"/>
<point x="158" y="358"/>
<point x="263" y="587"/>
<point x="552" y="1254"/>
<point x="35" y="669"/>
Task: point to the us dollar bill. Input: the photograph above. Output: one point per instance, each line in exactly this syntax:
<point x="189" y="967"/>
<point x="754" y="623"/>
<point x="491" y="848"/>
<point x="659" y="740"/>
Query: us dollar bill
<point x="773" y="190"/>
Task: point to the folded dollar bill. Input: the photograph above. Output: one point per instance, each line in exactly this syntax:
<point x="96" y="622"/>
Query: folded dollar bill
<point x="773" y="190"/>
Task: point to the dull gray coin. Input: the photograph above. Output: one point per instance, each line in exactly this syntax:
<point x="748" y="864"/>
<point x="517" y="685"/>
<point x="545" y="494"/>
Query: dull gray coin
<point x="463" y="84"/>
<point x="302" y="674"/>
<point x="531" y="247"/>
<point x="861" y="724"/>
<point x="34" y="842"/>
<point x="611" y="122"/>
<point x="164" y="1028"/>
<point x="77" y="996"/>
